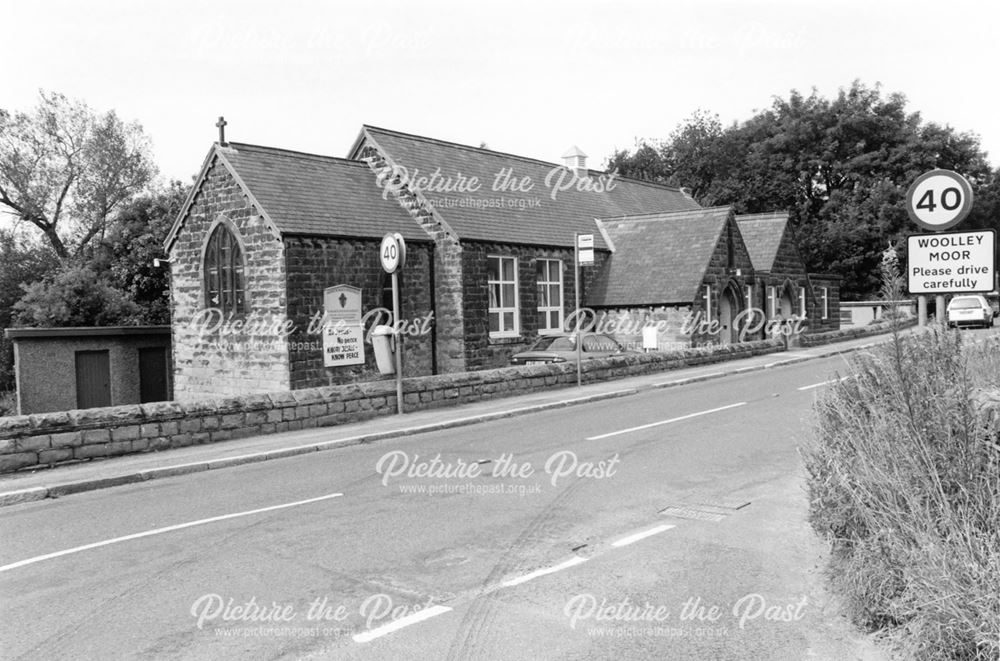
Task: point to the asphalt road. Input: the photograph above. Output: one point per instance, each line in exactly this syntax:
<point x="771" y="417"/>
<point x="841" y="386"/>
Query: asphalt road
<point x="665" y="525"/>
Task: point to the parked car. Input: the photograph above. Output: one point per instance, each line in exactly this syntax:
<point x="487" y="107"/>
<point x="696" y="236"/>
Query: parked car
<point x="561" y="348"/>
<point x="970" y="310"/>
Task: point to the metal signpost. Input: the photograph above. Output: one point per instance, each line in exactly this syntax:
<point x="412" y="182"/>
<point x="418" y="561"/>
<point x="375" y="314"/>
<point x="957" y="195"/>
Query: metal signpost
<point x="392" y="254"/>
<point x="936" y="201"/>
<point x="583" y="255"/>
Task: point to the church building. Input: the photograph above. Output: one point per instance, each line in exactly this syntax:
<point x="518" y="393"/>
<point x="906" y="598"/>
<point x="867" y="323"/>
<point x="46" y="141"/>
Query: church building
<point x="489" y="259"/>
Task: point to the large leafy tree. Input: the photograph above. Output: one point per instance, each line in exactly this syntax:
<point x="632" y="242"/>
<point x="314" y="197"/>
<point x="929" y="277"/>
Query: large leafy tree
<point x="135" y="237"/>
<point x="694" y="156"/>
<point x="840" y="166"/>
<point x="114" y="281"/>
<point x="21" y="261"/>
<point x="65" y="169"/>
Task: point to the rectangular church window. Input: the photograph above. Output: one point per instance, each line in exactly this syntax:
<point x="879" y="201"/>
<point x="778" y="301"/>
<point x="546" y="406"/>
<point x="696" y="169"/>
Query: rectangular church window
<point x="548" y="274"/>
<point x="502" y="285"/>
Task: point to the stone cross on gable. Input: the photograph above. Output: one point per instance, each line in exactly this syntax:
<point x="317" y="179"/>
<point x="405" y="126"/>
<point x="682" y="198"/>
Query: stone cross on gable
<point x="222" y="130"/>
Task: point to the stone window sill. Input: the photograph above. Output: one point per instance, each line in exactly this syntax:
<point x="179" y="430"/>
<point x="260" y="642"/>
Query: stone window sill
<point x="508" y="339"/>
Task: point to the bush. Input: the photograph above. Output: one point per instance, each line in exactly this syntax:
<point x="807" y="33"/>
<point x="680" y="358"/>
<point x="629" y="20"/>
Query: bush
<point x="8" y="402"/>
<point x="74" y="296"/>
<point x="904" y="479"/>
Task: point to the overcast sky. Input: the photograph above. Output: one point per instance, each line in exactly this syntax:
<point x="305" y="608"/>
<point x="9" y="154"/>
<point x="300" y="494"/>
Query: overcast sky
<point x="531" y="78"/>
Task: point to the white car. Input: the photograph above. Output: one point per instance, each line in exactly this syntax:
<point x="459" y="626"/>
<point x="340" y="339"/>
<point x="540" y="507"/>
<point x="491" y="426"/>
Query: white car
<point x="970" y="310"/>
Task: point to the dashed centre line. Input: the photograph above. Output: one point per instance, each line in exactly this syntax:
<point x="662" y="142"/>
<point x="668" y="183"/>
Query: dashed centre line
<point x="665" y="422"/>
<point x="632" y="539"/>
<point x="572" y="562"/>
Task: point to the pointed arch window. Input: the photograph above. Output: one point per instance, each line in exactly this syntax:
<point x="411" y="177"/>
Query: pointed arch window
<point x="225" y="281"/>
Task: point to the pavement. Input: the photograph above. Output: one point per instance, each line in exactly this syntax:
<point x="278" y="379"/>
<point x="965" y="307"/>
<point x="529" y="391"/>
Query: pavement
<point x="58" y="481"/>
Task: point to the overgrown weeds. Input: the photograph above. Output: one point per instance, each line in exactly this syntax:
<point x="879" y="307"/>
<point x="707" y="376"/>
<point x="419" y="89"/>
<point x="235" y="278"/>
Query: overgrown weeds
<point x="904" y="480"/>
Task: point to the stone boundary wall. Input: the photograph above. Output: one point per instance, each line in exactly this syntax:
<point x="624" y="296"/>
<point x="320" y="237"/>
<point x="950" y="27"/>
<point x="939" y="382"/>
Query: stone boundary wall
<point x="818" y="339"/>
<point x="47" y="439"/>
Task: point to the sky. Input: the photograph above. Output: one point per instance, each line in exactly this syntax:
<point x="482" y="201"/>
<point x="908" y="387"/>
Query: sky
<point x="529" y="78"/>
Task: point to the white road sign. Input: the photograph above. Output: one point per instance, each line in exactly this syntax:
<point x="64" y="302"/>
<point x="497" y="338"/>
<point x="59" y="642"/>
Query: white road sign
<point x="951" y="262"/>
<point x="585" y="245"/>
<point x="939" y="199"/>
<point x="391" y="252"/>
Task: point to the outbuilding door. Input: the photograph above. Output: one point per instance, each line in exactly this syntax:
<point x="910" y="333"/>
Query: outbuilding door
<point x="153" y="375"/>
<point x="93" y="379"/>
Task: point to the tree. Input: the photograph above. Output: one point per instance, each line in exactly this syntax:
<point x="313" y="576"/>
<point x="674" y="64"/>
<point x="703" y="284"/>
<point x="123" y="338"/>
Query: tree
<point x="134" y="238"/>
<point x="841" y="167"/>
<point x="74" y="296"/>
<point x="20" y="261"/>
<point x="646" y="163"/>
<point x="65" y="169"/>
<point x="114" y="282"/>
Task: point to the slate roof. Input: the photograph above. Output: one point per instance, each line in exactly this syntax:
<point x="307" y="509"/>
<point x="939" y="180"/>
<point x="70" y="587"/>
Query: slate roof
<point x="310" y="194"/>
<point x="762" y="234"/>
<point x="551" y="222"/>
<point x="302" y="193"/>
<point x="658" y="258"/>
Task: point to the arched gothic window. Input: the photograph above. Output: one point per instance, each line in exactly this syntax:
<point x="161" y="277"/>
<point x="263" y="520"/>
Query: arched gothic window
<point x="225" y="283"/>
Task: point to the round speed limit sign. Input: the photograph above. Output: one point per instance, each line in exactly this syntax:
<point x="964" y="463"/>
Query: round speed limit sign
<point x="939" y="199"/>
<point x="392" y="252"/>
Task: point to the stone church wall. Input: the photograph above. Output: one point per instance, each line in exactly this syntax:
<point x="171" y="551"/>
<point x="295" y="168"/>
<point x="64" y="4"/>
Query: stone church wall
<point x="212" y="358"/>
<point x="315" y="263"/>
<point x="482" y="351"/>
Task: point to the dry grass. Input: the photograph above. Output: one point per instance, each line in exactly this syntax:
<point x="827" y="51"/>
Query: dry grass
<point x="904" y="479"/>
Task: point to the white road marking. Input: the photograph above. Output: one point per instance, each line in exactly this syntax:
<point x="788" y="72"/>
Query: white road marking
<point x="160" y="531"/>
<point x="824" y="383"/>
<point x="572" y="562"/>
<point x="631" y="539"/>
<point x="665" y="422"/>
<point x="396" y="625"/>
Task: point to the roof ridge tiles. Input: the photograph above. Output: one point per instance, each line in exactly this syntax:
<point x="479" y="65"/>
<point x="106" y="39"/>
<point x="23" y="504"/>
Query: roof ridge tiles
<point x="764" y="215"/>
<point x="291" y="153"/>
<point x="459" y="145"/>
<point x="448" y="143"/>
<point x="676" y="212"/>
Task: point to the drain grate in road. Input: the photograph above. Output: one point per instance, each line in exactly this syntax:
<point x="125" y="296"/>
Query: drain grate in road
<point x="701" y="512"/>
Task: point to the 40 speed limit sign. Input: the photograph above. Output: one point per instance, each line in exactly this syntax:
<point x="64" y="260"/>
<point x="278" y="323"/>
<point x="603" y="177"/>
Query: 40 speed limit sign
<point x="392" y="252"/>
<point x="939" y="200"/>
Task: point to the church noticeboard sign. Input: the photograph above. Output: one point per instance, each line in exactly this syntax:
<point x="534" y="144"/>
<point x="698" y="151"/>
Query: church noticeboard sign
<point x="343" y="337"/>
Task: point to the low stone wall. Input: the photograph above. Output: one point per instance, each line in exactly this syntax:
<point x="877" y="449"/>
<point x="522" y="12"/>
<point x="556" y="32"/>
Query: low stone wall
<point x="817" y="339"/>
<point x="52" y="438"/>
